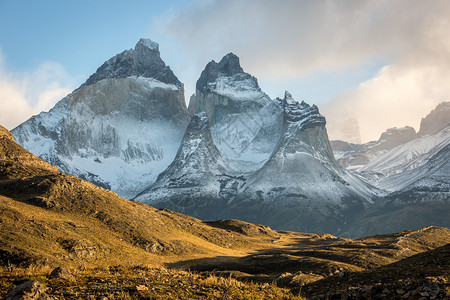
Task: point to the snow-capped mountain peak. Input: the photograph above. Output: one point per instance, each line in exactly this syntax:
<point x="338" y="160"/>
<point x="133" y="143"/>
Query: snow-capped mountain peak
<point x="288" y="98"/>
<point x="228" y="66"/>
<point x="227" y="78"/>
<point x="142" y="61"/>
<point x="148" y="43"/>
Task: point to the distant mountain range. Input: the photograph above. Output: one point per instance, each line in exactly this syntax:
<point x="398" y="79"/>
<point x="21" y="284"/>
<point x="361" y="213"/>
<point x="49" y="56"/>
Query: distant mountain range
<point x="413" y="167"/>
<point x="242" y="154"/>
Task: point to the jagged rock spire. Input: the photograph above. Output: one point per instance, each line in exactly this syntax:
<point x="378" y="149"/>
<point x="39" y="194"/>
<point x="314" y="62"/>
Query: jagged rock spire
<point x="228" y="66"/>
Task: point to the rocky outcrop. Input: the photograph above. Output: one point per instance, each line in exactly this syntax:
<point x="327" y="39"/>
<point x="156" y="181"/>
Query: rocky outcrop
<point x="30" y="290"/>
<point x="142" y="61"/>
<point x="62" y="273"/>
<point x="436" y="120"/>
<point x="394" y="137"/>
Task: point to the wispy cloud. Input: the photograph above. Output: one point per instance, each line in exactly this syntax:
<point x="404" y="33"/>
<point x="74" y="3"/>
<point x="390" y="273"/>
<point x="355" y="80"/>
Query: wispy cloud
<point x="26" y="94"/>
<point x="294" y="39"/>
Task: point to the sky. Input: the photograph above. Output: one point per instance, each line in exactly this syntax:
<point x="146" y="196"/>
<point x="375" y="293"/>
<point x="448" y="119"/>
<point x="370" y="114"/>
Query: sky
<point x="367" y="65"/>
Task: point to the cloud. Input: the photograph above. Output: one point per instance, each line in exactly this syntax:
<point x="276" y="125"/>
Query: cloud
<point x="26" y="94"/>
<point x="294" y="39"/>
<point x="406" y="89"/>
<point x="398" y="96"/>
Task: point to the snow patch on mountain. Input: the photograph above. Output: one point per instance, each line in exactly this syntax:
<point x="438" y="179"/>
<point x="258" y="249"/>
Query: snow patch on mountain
<point x="237" y="87"/>
<point x="149" y="44"/>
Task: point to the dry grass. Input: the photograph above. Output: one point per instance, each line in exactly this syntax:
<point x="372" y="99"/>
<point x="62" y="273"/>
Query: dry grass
<point x="138" y="282"/>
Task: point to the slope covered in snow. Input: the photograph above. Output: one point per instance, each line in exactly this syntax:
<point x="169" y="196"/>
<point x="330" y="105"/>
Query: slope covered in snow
<point x="372" y="155"/>
<point x="196" y="182"/>
<point x="120" y="129"/>
<point x="403" y="158"/>
<point x="421" y="198"/>
<point x="356" y="156"/>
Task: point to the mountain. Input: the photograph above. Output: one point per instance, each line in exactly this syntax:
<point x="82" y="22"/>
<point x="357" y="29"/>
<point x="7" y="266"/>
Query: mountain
<point x="436" y="120"/>
<point x="420" y="197"/>
<point x="355" y="156"/>
<point x="292" y="182"/>
<point x="414" y="173"/>
<point x="119" y="129"/>
<point x="245" y="122"/>
<point x="195" y="183"/>
<point x="302" y="187"/>
<point x="398" y="149"/>
<point x="404" y="157"/>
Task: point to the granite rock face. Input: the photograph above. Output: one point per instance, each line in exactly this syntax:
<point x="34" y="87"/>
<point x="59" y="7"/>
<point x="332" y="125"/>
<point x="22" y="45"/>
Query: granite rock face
<point x="436" y="120"/>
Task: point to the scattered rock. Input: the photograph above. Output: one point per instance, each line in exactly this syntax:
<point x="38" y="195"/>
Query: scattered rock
<point x="343" y="274"/>
<point x="80" y="248"/>
<point x="141" y="288"/>
<point x="62" y="273"/>
<point x="30" y="290"/>
<point x="284" y="279"/>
